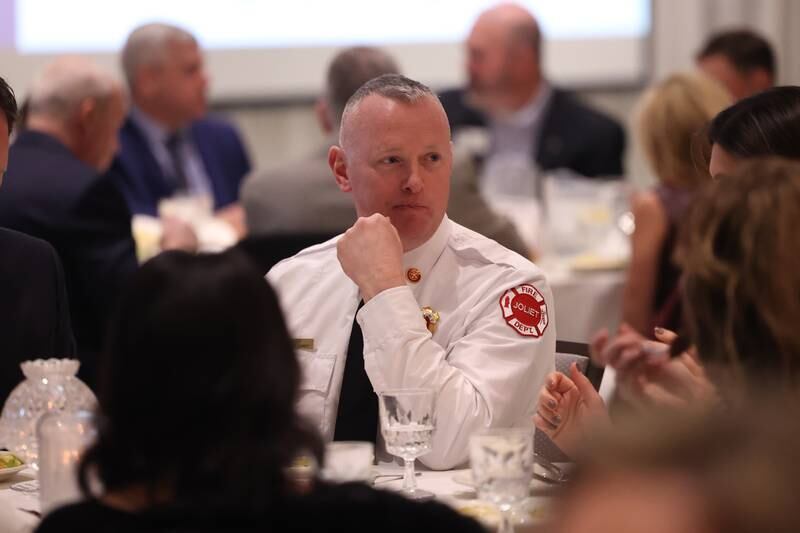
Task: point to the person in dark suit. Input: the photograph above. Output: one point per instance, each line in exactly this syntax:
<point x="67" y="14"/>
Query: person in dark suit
<point x="525" y="117"/>
<point x="167" y="145"/>
<point x="34" y="313"/>
<point x="55" y="190"/>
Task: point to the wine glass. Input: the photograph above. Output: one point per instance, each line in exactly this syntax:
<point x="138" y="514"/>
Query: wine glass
<point x="407" y="428"/>
<point x="502" y="467"/>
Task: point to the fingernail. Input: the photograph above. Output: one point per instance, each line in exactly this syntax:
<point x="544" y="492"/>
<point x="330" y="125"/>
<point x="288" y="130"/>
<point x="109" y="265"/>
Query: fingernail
<point x="551" y="404"/>
<point x="557" y="419"/>
<point x="551" y="383"/>
<point x="659" y="331"/>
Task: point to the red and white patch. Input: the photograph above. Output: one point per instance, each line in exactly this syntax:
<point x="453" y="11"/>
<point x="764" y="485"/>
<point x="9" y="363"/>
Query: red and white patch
<point x="525" y="310"/>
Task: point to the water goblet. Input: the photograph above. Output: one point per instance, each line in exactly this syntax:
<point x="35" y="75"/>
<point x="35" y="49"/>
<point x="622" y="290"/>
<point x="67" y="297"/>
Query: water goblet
<point x="502" y="467"/>
<point x="407" y="427"/>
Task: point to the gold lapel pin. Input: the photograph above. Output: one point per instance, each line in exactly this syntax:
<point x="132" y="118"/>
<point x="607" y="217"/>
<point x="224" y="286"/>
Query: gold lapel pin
<point x="431" y="318"/>
<point x="413" y="274"/>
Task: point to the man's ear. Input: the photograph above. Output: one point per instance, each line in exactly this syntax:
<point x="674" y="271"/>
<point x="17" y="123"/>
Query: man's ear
<point x="86" y="114"/>
<point x="338" y="164"/>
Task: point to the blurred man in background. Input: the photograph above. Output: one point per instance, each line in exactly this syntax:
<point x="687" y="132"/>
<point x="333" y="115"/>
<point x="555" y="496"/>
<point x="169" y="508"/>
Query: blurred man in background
<point x="302" y="196"/>
<point x="741" y="60"/>
<point x="531" y="125"/>
<point x="168" y="145"/>
<point x="56" y="189"/>
<point x="34" y="312"/>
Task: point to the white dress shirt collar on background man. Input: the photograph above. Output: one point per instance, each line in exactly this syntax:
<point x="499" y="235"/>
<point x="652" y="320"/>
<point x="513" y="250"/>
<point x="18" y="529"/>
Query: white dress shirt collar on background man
<point x="510" y="168"/>
<point x="156" y="135"/>
<point x="485" y="372"/>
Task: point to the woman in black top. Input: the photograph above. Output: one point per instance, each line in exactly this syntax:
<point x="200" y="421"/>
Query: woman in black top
<point x="197" y="423"/>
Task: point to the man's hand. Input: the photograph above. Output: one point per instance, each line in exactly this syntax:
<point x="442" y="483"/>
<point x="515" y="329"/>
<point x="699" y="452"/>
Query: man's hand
<point x="234" y="216"/>
<point x="177" y="235"/>
<point x="371" y="254"/>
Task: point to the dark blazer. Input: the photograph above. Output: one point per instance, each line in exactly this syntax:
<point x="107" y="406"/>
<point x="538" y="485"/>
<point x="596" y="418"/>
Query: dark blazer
<point x="144" y="184"/>
<point x="573" y="135"/>
<point x="50" y="194"/>
<point x="34" y="313"/>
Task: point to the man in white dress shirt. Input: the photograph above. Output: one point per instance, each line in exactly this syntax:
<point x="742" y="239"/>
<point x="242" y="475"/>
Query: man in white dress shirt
<point x="435" y="305"/>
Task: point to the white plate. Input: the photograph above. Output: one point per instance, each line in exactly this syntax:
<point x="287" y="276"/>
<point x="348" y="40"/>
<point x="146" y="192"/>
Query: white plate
<point x="6" y="473"/>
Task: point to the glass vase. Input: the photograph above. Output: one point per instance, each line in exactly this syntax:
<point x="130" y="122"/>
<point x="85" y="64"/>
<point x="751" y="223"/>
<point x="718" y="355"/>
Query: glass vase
<point x="50" y="386"/>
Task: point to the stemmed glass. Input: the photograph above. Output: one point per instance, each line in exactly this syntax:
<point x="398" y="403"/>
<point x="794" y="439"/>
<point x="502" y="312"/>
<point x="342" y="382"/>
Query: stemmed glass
<point x="502" y="467"/>
<point x="407" y="427"/>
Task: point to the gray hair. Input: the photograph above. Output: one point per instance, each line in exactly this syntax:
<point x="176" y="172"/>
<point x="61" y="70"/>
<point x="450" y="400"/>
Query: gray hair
<point x="147" y="45"/>
<point x="65" y="83"/>
<point x="392" y="86"/>
<point x="349" y="70"/>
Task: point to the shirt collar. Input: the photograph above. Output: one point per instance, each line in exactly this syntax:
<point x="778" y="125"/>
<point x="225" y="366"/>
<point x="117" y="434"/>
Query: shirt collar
<point x="152" y="129"/>
<point x="423" y="257"/>
<point x="532" y="112"/>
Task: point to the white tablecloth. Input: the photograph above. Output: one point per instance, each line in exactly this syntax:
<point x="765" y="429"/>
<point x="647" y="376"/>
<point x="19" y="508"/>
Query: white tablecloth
<point x="463" y="497"/>
<point x="15" y="506"/>
<point x="585" y="301"/>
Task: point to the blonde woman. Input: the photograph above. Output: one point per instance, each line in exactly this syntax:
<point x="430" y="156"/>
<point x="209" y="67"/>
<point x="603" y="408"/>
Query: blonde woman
<point x="671" y="119"/>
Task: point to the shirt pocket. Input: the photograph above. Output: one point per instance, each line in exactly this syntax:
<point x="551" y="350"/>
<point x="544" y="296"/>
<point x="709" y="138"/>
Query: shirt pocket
<point x="317" y="370"/>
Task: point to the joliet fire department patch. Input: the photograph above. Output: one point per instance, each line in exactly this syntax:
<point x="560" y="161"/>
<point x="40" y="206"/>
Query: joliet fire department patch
<point x="525" y="310"/>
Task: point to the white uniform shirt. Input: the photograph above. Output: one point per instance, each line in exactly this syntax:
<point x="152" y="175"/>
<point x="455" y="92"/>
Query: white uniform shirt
<point x="487" y="359"/>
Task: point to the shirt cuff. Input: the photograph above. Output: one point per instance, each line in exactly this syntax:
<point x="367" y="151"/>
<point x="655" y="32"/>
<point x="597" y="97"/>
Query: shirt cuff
<point x="387" y="315"/>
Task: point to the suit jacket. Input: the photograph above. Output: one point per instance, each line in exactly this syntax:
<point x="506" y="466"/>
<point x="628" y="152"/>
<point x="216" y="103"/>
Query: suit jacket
<point x="34" y="313"/>
<point x="144" y="184"/>
<point x="50" y="194"/>
<point x="573" y="135"/>
<point x="298" y="198"/>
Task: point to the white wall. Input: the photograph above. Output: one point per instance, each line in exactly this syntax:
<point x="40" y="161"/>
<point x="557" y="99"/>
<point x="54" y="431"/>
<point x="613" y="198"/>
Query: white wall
<point x="278" y="133"/>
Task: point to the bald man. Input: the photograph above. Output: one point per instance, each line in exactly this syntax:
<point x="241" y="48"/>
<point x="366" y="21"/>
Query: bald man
<point x="531" y="125"/>
<point x="406" y="298"/>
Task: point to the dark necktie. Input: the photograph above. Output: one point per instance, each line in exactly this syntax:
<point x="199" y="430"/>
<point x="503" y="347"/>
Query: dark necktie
<point x="173" y="144"/>
<point x="357" y="416"/>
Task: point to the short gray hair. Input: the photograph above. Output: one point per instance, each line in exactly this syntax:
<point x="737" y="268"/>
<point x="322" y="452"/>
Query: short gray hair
<point x="349" y="70"/>
<point x="392" y="86"/>
<point x="66" y="82"/>
<point x="147" y="45"/>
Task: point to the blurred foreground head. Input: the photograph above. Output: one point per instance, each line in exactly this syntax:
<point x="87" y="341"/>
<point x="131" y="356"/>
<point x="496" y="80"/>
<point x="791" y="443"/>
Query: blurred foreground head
<point x="198" y="386"/>
<point x="728" y="471"/>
